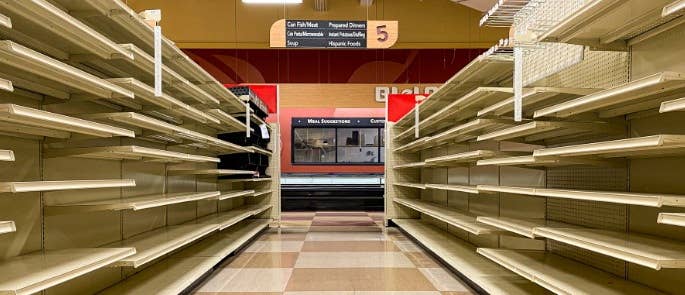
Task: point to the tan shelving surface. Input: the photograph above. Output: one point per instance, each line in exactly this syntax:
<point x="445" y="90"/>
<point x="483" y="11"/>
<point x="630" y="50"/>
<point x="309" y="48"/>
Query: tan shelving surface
<point x="7" y="227"/>
<point x="524" y="227"/>
<point x="535" y="98"/>
<point x="50" y="76"/>
<point x="533" y="161"/>
<point x="6" y="85"/>
<point x="226" y="219"/>
<point x="57" y="185"/>
<point x="41" y="20"/>
<point x="227" y="122"/>
<point x="261" y="193"/>
<point x="640" y="147"/>
<point x="176" y="273"/>
<point x="471" y="189"/>
<point x="542" y="130"/>
<point x="638" y="95"/>
<point x="157" y="243"/>
<point x="415" y="165"/>
<point x="410" y="185"/>
<point x="225" y="195"/>
<point x="641" y="199"/>
<point x="210" y="172"/>
<point x="6" y="155"/>
<point x="132" y="203"/>
<point x="54" y="125"/>
<point x="5" y="21"/>
<point x="607" y="23"/>
<point x="141" y="121"/>
<point x="130" y="152"/>
<point x="259" y="179"/>
<point x="146" y="94"/>
<point x="562" y="275"/>
<point x="462" y="220"/>
<point x="462" y="257"/>
<point x="484" y="70"/>
<point x="31" y="273"/>
<point x="649" y="251"/>
<point x="671" y="218"/>
<point x="462" y="158"/>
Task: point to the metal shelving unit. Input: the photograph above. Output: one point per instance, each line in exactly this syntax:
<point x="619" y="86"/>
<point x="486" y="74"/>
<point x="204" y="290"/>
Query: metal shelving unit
<point x="59" y="185"/>
<point x="132" y="203"/>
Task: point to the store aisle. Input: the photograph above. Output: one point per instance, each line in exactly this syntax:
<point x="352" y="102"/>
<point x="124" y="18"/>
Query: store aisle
<point x="297" y="261"/>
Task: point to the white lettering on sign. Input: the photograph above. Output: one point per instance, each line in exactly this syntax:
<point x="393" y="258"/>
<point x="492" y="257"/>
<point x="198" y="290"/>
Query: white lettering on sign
<point x="382" y="92"/>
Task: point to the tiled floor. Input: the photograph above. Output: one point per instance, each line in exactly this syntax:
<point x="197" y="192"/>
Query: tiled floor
<point x="299" y="261"/>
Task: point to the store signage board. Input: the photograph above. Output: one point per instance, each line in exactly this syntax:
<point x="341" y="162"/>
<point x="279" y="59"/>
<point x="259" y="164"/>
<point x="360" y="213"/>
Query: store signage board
<point x="333" y="34"/>
<point x="338" y="122"/>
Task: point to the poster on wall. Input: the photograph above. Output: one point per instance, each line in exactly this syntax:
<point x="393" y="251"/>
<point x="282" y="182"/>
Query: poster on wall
<point x="342" y="34"/>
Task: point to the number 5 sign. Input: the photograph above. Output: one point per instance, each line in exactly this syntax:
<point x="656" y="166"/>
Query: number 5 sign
<point x="381" y="34"/>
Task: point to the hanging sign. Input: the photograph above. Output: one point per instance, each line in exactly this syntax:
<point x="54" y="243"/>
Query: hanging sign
<point x="333" y="34"/>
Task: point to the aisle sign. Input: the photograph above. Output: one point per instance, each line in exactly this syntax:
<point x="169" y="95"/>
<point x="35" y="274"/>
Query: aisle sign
<point x="333" y="34"/>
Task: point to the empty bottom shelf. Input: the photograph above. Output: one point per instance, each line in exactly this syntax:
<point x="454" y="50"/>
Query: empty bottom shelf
<point x="561" y="275"/>
<point x="178" y="272"/>
<point x="462" y="257"/>
<point x="7" y="227"/>
<point x="28" y="274"/>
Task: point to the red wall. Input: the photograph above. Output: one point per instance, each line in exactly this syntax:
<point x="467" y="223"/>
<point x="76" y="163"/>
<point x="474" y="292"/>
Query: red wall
<point x="286" y="115"/>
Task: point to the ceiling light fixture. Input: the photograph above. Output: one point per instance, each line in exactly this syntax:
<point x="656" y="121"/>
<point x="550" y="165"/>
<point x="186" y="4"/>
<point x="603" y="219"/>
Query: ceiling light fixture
<point x="272" y="1"/>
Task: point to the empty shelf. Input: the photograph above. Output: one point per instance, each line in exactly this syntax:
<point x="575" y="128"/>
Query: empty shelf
<point x="464" y="107"/>
<point x="543" y="130"/>
<point x="533" y="161"/>
<point x="461" y="158"/>
<point x="227" y="123"/>
<point x="210" y="172"/>
<point x="147" y="96"/>
<point x="535" y="98"/>
<point x="454" y="217"/>
<point x="55" y="125"/>
<point x="50" y="76"/>
<point x="43" y="21"/>
<point x="672" y="218"/>
<point x="410" y="165"/>
<point x="260" y="150"/>
<point x="601" y="23"/>
<point x="471" y="189"/>
<point x="410" y="185"/>
<point x="641" y="199"/>
<point x="413" y="146"/>
<point x="648" y="251"/>
<point x="502" y="13"/>
<point x="562" y="275"/>
<point x="157" y="243"/>
<point x="673" y="8"/>
<point x="5" y="21"/>
<point x="256" y="179"/>
<point x="6" y="155"/>
<point x="180" y="271"/>
<point x="638" y="147"/>
<point x="225" y="195"/>
<point x="6" y="85"/>
<point x="486" y="69"/>
<point x="524" y="227"/>
<point x="28" y="274"/>
<point x="130" y="152"/>
<point x="42" y="186"/>
<point x="462" y="257"/>
<point x="7" y="227"/>
<point x="673" y="105"/>
<point x="468" y="131"/>
<point x="261" y="193"/>
<point x="642" y="94"/>
<point x="200" y="140"/>
<point x="229" y="218"/>
<point x="131" y="203"/>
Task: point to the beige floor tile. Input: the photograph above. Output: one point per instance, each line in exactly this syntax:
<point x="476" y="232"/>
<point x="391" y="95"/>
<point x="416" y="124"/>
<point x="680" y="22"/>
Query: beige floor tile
<point x="352" y="260"/>
<point x="275" y="246"/>
<point x="320" y="293"/>
<point x="239" y="293"/>
<point x="283" y="236"/>
<point x="265" y="260"/>
<point x="443" y="280"/>
<point x="422" y="260"/>
<point x="371" y="279"/>
<point x="456" y="293"/>
<point x="408" y="246"/>
<point x="397" y="293"/>
<point x="248" y="280"/>
<point x="345" y="236"/>
<point x="346" y="246"/>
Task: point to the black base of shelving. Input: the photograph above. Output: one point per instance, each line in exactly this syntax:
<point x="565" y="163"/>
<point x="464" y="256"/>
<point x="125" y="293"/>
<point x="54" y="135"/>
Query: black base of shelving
<point x="332" y="198"/>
